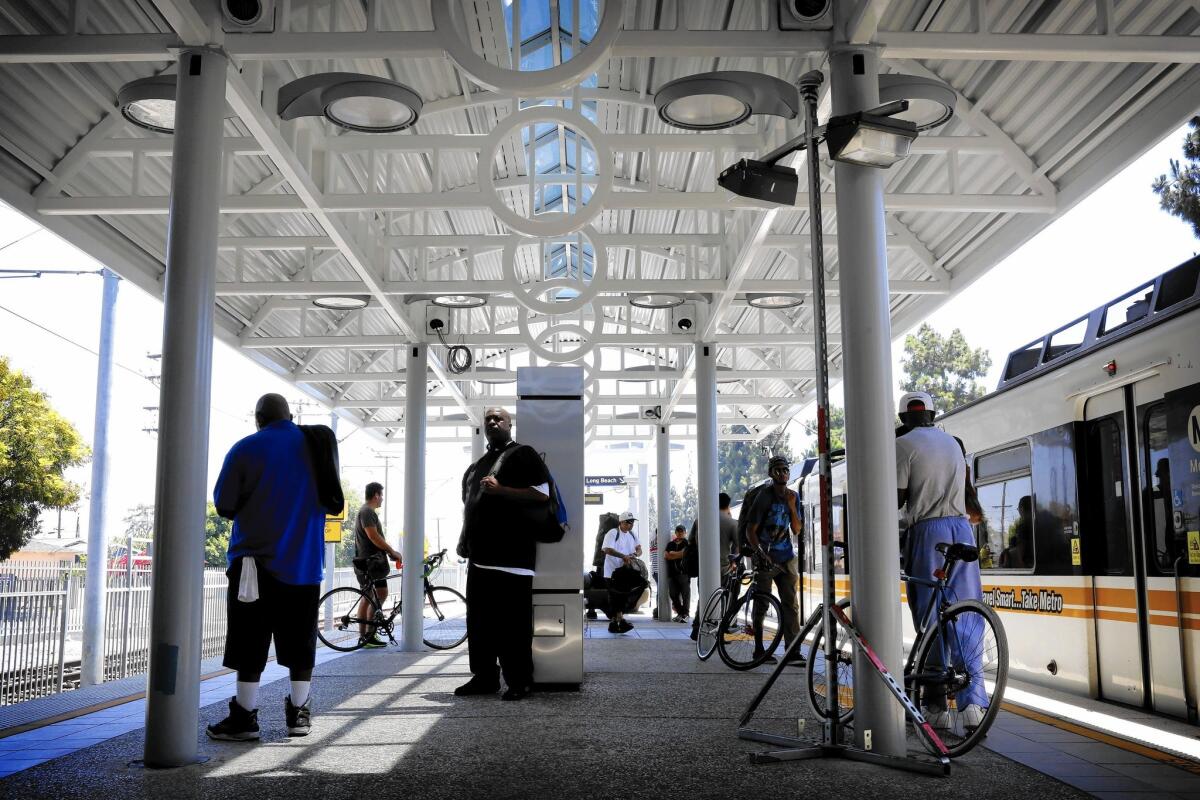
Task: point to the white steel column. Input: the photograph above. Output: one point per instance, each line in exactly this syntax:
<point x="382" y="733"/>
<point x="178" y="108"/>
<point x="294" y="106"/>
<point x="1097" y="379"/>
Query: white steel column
<point x="645" y="525"/>
<point x="177" y="593"/>
<point x="477" y="443"/>
<point x="707" y="487"/>
<point x="413" y="547"/>
<point x="662" y="447"/>
<point x="91" y="667"/>
<point x="874" y="552"/>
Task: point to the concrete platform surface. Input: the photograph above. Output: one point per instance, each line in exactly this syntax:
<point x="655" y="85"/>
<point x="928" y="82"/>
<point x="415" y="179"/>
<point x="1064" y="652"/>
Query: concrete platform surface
<point x="650" y="719"/>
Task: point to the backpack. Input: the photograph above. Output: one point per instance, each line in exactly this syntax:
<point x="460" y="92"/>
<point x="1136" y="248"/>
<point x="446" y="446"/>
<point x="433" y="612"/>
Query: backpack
<point x="608" y="521"/>
<point x="691" y="559"/>
<point x="748" y="501"/>
<point x="546" y="522"/>
<point x="323" y="452"/>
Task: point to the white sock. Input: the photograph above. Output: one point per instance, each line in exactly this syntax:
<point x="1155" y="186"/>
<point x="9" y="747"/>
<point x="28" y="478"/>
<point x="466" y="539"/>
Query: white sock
<point x="247" y="695"/>
<point x="300" y="692"/>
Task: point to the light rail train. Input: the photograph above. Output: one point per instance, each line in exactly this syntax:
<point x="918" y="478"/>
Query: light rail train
<point x="1087" y="464"/>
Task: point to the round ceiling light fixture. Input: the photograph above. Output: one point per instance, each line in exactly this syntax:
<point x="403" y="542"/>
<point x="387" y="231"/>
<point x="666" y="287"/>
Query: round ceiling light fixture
<point x="459" y="300"/>
<point x="714" y="100"/>
<point x="930" y="102"/>
<point x="364" y="103"/>
<point x="655" y="300"/>
<point x="341" y="302"/>
<point x="149" y="103"/>
<point x="501" y="375"/>
<point x="775" y="301"/>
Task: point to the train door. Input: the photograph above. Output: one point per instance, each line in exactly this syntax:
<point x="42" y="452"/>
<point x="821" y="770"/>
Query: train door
<point x="1124" y="439"/>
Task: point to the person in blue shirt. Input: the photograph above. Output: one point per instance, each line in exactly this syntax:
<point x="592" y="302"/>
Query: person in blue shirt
<point x="268" y="487"/>
<point x="773" y="523"/>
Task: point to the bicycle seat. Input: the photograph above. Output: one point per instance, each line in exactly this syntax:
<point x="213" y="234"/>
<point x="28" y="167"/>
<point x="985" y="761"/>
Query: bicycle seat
<point x="958" y="551"/>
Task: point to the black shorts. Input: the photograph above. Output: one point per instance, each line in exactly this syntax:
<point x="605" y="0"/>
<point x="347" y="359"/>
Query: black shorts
<point x="363" y="580"/>
<point x="283" y="611"/>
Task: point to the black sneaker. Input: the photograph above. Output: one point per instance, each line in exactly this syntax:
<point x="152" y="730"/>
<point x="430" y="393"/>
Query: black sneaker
<point x="372" y="642"/>
<point x="591" y="613"/>
<point x="299" y="721"/>
<point x="625" y="626"/>
<point x="476" y="686"/>
<point x="240" y="726"/>
<point x="613" y="627"/>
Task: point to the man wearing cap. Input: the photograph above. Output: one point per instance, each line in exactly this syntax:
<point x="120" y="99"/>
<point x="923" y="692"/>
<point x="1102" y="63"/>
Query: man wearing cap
<point x="773" y="521"/>
<point x="931" y="475"/>
<point x="620" y="548"/>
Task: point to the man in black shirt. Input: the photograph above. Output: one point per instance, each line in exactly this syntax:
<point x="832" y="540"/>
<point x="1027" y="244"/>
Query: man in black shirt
<point x="502" y="554"/>
<point x="370" y="544"/>
<point x="678" y="581"/>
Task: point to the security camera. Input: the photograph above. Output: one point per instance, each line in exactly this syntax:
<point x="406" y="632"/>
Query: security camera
<point x="248" y="16"/>
<point x="683" y="318"/>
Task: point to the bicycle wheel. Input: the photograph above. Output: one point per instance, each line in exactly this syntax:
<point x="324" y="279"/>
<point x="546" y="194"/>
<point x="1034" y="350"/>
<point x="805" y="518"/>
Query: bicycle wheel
<point x="743" y="645"/>
<point x="961" y="700"/>
<point x="345" y="634"/>
<point x="445" y="613"/>
<point x="818" y="668"/>
<point x="710" y="622"/>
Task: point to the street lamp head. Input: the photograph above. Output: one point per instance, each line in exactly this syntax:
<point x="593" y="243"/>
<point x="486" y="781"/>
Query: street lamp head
<point x="364" y="103"/>
<point x="149" y="103"/>
<point x="869" y="140"/>
<point x="930" y="102"/>
<point x="722" y="99"/>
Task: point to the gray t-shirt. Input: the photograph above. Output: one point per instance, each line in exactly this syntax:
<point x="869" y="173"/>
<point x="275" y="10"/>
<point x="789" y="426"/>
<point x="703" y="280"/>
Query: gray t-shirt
<point x="367" y="518"/>
<point x="930" y="465"/>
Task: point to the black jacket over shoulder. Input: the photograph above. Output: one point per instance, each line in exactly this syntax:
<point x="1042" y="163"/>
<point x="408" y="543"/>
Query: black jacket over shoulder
<point x="494" y="536"/>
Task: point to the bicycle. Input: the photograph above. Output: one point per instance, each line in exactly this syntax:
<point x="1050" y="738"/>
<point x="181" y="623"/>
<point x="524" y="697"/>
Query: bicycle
<point x="963" y="654"/>
<point x="709" y="621"/>
<point x="444" y="610"/>
<point x="752" y="626"/>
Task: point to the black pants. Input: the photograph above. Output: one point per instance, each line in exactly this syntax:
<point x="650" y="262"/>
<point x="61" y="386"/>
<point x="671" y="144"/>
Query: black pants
<point x="500" y="626"/>
<point x="681" y="592"/>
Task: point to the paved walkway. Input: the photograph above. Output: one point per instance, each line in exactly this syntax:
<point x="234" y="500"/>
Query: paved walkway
<point x="650" y="720"/>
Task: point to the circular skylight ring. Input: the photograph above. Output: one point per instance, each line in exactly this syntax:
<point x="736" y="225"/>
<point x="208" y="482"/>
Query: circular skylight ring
<point x="448" y="29"/>
<point x="558" y="327"/>
<point x="530" y="295"/>
<point x="341" y="302"/>
<point x="546" y="225"/>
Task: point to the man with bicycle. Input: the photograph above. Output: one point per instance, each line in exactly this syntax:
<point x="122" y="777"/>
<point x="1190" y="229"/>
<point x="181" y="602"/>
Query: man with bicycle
<point x="931" y="475"/>
<point x="371" y="554"/>
<point x="772" y="522"/>
<point x="502" y="554"/>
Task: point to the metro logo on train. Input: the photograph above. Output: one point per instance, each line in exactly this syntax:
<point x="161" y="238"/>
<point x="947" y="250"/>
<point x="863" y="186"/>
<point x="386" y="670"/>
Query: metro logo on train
<point x="1194" y="429"/>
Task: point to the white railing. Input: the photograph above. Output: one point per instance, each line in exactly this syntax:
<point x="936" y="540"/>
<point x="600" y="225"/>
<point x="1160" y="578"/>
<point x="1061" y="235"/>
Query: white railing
<point x="41" y="622"/>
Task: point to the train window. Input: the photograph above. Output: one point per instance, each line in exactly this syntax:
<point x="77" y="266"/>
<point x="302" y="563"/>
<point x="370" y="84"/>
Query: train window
<point x="1128" y="309"/>
<point x="1068" y="339"/>
<point x="1001" y="462"/>
<point x="1158" y="493"/>
<point x="1178" y="285"/>
<point x="1107" y="490"/>
<point x="1005" y="542"/>
<point x="1023" y="360"/>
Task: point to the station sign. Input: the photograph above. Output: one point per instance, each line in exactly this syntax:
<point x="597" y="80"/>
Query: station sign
<point x="604" y="480"/>
<point x="593" y="499"/>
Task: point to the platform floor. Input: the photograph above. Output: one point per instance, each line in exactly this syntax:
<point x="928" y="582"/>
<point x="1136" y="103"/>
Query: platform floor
<point x="649" y="719"/>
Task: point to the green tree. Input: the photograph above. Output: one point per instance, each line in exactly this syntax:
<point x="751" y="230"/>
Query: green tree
<point x="944" y="366"/>
<point x="344" y="552"/>
<point x="36" y="446"/>
<point x="837" y="431"/>
<point x="740" y="465"/>
<point x="216" y="537"/>
<point x="1179" y="194"/>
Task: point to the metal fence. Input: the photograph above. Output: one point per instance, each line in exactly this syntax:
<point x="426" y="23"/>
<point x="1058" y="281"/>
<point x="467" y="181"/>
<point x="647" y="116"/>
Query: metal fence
<point x="41" y="622"/>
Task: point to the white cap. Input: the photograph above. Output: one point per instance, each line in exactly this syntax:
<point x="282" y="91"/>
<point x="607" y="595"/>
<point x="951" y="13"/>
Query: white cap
<point x="627" y="516"/>
<point x="916" y="397"/>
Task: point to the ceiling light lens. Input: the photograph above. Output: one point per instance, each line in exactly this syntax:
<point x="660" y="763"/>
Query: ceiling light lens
<point x="341" y="303"/>
<point x="874" y="148"/>
<point x="655" y="301"/>
<point x="774" y="301"/>
<point x="706" y="111"/>
<point x="371" y="114"/>
<point x="156" y="115"/>
<point x="459" y="300"/>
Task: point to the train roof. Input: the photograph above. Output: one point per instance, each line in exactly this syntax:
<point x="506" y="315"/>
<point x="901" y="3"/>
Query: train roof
<point x="1170" y="294"/>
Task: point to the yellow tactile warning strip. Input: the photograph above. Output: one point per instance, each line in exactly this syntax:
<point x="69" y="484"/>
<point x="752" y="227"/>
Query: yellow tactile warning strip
<point x="1107" y="738"/>
<point x="79" y="712"/>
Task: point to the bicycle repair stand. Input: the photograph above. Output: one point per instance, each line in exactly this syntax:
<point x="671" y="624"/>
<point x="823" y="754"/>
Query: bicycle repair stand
<point x="831" y="745"/>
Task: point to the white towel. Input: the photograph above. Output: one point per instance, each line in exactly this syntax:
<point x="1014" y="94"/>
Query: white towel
<point x="248" y="586"/>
